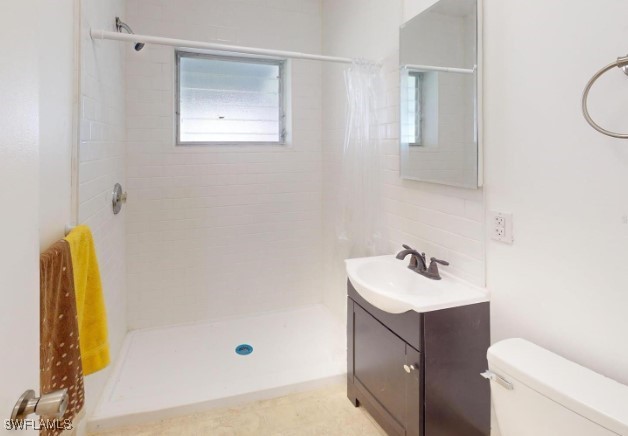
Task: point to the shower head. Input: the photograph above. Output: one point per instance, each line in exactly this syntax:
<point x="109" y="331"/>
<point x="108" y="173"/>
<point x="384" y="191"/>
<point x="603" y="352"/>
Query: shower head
<point x="121" y="25"/>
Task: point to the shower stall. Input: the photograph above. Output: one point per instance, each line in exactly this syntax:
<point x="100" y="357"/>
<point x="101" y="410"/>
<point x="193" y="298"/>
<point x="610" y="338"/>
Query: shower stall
<point x="220" y="247"/>
<point x="188" y="368"/>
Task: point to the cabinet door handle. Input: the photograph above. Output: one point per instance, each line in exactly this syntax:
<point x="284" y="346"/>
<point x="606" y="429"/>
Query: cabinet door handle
<point x="409" y="368"/>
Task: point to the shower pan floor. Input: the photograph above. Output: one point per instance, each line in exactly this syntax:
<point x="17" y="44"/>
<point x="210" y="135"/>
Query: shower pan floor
<point x="170" y="371"/>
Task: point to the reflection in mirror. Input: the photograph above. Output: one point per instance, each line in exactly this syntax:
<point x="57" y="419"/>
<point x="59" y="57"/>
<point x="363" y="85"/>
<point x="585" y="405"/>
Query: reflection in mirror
<point x="439" y="110"/>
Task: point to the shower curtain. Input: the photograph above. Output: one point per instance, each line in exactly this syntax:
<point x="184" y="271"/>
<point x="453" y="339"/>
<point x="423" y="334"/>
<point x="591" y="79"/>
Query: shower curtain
<point x="360" y="229"/>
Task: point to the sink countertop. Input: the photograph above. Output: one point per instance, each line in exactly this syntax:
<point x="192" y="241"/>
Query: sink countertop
<point x="388" y="283"/>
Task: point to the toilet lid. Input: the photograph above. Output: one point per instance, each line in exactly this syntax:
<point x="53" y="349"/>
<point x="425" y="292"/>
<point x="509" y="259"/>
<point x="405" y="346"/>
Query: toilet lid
<point x="598" y="398"/>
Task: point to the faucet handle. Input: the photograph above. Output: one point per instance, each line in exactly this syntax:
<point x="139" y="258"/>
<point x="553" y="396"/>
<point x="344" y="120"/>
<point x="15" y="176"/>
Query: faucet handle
<point x="407" y="247"/>
<point x="442" y="262"/>
<point x="432" y="271"/>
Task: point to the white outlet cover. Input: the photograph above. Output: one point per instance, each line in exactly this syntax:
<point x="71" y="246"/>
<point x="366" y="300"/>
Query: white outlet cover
<point x="501" y="227"/>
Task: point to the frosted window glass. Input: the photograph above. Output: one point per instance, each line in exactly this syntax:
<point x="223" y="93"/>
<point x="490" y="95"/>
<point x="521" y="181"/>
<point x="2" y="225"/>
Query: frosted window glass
<point x="229" y="100"/>
<point x="415" y="84"/>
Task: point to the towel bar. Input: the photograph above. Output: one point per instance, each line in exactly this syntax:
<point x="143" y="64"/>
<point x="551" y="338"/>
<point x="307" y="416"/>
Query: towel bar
<point x="621" y="63"/>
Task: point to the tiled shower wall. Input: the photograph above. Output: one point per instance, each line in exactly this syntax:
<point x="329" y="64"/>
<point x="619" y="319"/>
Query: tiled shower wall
<point x="445" y="222"/>
<point x="217" y="231"/>
<point x="102" y="164"/>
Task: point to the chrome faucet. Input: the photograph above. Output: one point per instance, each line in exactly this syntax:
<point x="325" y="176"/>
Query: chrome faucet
<point x="419" y="265"/>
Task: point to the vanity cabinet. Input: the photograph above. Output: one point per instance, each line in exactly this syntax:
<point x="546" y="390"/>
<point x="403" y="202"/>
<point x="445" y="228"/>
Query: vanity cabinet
<point x="418" y="374"/>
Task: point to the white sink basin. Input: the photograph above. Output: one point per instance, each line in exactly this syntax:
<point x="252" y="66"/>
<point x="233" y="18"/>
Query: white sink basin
<point x="388" y="284"/>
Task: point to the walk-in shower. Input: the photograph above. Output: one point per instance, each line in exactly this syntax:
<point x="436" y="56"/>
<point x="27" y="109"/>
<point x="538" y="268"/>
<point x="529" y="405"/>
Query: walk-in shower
<point x="220" y="245"/>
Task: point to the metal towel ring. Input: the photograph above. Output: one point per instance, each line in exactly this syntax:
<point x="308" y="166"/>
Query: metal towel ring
<point x="619" y="63"/>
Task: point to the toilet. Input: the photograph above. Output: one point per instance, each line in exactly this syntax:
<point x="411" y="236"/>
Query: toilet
<point x="538" y="393"/>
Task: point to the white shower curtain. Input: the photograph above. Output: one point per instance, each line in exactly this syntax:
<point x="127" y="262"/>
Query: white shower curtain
<point x="360" y="228"/>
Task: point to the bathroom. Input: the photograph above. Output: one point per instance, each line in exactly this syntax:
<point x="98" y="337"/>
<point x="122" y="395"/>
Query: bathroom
<point x="226" y="247"/>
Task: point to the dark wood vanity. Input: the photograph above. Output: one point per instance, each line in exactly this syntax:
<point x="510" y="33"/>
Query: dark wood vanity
<point x="418" y="374"/>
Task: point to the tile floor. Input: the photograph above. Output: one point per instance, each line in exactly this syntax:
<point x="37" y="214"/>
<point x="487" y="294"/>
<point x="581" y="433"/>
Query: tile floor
<point x="325" y="412"/>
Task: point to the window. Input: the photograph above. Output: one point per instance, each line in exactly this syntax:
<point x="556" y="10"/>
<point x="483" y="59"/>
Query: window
<point x="229" y="100"/>
<point x="419" y="108"/>
<point x="415" y="85"/>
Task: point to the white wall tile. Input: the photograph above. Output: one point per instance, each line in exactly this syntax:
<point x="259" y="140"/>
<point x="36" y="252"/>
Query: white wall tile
<point x="102" y="164"/>
<point x="220" y="231"/>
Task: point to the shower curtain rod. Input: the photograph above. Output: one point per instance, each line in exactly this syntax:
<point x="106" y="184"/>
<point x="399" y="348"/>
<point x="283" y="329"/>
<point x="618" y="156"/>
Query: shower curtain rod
<point x="158" y="40"/>
<point x="443" y="69"/>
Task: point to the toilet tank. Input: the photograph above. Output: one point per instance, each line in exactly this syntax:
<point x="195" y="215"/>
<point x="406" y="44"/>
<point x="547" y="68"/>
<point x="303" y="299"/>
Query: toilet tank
<point x="538" y="393"/>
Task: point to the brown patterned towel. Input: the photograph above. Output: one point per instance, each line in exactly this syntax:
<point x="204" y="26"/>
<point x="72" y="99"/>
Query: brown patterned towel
<point x="60" y="358"/>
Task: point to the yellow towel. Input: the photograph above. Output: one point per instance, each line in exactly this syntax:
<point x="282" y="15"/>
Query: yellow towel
<point x="90" y="303"/>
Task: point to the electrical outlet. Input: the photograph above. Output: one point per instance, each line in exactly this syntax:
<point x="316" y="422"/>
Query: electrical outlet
<point x="502" y="227"/>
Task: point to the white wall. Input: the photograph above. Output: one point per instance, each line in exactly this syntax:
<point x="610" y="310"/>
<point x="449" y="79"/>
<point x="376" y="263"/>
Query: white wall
<point x="413" y="7"/>
<point x="443" y="221"/>
<point x="102" y="164"/>
<point x="57" y="103"/>
<point x="19" y="176"/>
<point x="221" y="231"/>
<point x="563" y="283"/>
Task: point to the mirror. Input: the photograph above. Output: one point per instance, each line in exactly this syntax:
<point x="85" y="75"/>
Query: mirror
<point x="439" y="95"/>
